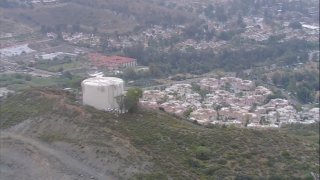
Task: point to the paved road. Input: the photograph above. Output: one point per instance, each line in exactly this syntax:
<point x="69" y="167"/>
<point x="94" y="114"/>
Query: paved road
<point x="39" y="71"/>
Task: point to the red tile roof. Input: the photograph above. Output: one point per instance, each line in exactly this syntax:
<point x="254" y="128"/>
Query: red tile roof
<point x="109" y="61"/>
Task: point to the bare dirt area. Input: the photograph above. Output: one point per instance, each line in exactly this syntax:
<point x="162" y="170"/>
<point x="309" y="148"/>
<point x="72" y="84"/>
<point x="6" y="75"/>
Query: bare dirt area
<point x="26" y="158"/>
<point x="30" y="151"/>
<point x="59" y="147"/>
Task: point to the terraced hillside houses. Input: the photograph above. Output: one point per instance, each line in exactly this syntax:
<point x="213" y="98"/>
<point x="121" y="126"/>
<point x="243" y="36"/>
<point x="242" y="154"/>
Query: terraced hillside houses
<point x="226" y="101"/>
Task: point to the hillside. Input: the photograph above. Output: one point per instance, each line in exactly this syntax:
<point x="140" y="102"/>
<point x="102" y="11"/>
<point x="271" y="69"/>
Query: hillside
<point x="97" y="15"/>
<point x="57" y="133"/>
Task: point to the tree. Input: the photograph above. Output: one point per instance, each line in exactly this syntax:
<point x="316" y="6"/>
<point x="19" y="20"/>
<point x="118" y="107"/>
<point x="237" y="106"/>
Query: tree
<point x="240" y="21"/>
<point x="225" y="35"/>
<point x="304" y="94"/>
<point x="263" y="120"/>
<point x="227" y="86"/>
<point x="60" y="69"/>
<point x="203" y="153"/>
<point x="129" y="73"/>
<point x="295" y="25"/>
<point x="188" y="112"/>
<point x="120" y="101"/>
<point x="105" y="43"/>
<point x="132" y="98"/>
<point x="276" y="94"/>
<point x="28" y="78"/>
<point x="67" y="74"/>
<point x="155" y="70"/>
<point x="195" y="87"/>
<point x="217" y="108"/>
<point x="18" y="76"/>
<point x="277" y="117"/>
<point x="247" y="120"/>
<point x="253" y="107"/>
<point x="203" y="93"/>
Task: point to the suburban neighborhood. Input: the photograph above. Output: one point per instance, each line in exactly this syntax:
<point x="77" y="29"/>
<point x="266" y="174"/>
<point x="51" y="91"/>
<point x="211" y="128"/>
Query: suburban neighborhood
<point x="227" y="101"/>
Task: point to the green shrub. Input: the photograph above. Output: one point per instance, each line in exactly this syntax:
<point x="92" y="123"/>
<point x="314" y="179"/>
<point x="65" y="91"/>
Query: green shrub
<point x="286" y="155"/>
<point x="50" y="137"/>
<point x="211" y="170"/>
<point x="203" y="153"/>
<point x="222" y="162"/>
<point x="195" y="163"/>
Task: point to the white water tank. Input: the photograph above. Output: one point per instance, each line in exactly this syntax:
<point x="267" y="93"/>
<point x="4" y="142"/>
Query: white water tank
<point x="101" y="92"/>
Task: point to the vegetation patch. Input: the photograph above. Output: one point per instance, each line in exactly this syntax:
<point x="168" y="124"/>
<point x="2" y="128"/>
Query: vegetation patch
<point x="51" y="137"/>
<point x="21" y="107"/>
<point x="23" y="82"/>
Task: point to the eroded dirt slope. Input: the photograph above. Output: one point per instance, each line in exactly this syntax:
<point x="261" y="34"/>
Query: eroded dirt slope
<point x="66" y="145"/>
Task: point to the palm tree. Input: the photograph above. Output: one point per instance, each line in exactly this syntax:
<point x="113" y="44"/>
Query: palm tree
<point x="217" y="107"/>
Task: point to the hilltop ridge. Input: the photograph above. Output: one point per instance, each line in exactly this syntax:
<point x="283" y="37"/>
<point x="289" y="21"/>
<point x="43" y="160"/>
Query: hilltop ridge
<point x="148" y="144"/>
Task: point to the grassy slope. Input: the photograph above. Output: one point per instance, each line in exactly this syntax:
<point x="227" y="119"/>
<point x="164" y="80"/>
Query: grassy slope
<point x="233" y="152"/>
<point x="308" y="132"/>
<point x="21" y="107"/>
<point x="56" y="67"/>
<point x="16" y="82"/>
<point x="176" y="146"/>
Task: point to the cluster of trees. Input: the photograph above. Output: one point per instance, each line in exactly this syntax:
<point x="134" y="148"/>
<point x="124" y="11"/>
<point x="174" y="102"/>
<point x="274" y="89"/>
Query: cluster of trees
<point x="129" y="101"/>
<point x="146" y="13"/>
<point x="222" y="12"/>
<point x="295" y="25"/>
<point x="303" y="84"/>
<point x="199" y="30"/>
<point x="49" y="64"/>
<point x="133" y="74"/>
<point x="59" y="28"/>
<point x="26" y="77"/>
<point x="202" y="61"/>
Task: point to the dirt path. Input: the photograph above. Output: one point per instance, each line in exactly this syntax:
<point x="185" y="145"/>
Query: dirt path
<point x="50" y="163"/>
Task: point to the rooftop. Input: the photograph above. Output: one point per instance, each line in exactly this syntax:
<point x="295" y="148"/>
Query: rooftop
<point x="101" y="60"/>
<point x="102" y="81"/>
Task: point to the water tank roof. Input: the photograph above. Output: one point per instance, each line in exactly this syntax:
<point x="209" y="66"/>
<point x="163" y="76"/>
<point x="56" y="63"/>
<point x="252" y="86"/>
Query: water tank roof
<point x="102" y="81"/>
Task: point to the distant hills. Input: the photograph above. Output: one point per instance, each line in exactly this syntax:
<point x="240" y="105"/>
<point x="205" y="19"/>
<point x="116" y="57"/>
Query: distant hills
<point x="97" y="15"/>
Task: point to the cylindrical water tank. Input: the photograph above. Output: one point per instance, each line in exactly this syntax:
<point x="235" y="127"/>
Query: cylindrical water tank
<point x="101" y="92"/>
